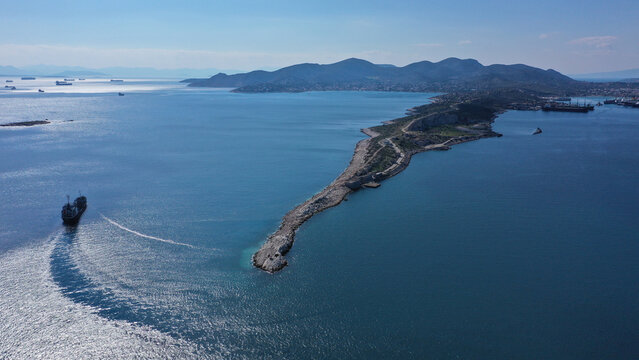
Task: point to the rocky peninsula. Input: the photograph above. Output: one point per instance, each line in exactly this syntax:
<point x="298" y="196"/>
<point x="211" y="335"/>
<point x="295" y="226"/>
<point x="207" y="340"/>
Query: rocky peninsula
<point x="451" y="119"/>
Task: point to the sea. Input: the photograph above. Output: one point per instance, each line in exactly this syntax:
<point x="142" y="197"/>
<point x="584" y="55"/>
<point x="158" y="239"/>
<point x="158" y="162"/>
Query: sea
<point x="518" y="247"/>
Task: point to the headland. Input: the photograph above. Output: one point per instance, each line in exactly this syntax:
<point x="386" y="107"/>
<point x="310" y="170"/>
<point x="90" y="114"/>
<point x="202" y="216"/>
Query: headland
<point x="451" y="119"/>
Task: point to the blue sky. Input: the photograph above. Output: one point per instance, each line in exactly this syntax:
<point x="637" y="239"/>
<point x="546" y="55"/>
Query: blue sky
<point x="570" y="36"/>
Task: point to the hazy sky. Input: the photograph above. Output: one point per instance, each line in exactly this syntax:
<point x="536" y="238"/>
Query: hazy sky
<point x="570" y="36"/>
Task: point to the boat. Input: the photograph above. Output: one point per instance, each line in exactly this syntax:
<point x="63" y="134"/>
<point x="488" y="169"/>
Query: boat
<point x="71" y="213"/>
<point x="27" y="78"/>
<point x="117" y="81"/>
<point x="7" y="87"/>
<point x="40" y="90"/>
<point x="69" y="79"/>
<point x="81" y="79"/>
<point x="609" y="102"/>
<point x="562" y="98"/>
<point x="629" y="103"/>
<point x="537" y="131"/>
<point x="8" y="81"/>
<point x="120" y="94"/>
<point x="63" y="83"/>
<point x="567" y="107"/>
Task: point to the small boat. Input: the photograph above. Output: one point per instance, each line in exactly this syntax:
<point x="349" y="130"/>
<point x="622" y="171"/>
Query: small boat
<point x="63" y="83"/>
<point x="7" y="87"/>
<point x="81" y="79"/>
<point x="69" y="79"/>
<point x="71" y="213"/>
<point x="40" y="90"/>
<point x="537" y="131"/>
<point x="8" y="81"/>
<point x="120" y="94"/>
<point x="117" y="81"/>
<point x="27" y="78"/>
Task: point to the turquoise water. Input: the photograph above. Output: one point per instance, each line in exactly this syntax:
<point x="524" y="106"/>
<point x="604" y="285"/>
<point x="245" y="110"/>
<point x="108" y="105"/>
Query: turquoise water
<point x="514" y="247"/>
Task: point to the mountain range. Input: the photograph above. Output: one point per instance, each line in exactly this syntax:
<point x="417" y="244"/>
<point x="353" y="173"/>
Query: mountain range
<point x="356" y="74"/>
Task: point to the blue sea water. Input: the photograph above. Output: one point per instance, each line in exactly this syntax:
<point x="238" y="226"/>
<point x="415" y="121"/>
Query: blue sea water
<point x="514" y="247"/>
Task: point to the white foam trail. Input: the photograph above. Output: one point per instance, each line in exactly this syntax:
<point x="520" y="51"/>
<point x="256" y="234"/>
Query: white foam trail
<point x="144" y="235"/>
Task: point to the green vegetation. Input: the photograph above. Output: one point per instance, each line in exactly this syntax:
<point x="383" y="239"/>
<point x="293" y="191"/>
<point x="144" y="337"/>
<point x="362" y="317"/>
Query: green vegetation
<point x="383" y="160"/>
<point x="447" y="131"/>
<point x="452" y="116"/>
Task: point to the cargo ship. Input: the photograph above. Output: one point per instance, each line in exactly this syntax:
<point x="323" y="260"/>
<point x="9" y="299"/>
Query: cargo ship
<point x="630" y="103"/>
<point x="624" y="102"/>
<point x="71" y="213"/>
<point x="567" y="107"/>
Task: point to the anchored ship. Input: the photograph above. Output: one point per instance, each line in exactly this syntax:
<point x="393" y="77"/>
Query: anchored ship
<point x="71" y="213"/>
<point x="554" y="106"/>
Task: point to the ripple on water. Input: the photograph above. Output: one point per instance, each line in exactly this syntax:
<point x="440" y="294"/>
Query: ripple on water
<point x="37" y="315"/>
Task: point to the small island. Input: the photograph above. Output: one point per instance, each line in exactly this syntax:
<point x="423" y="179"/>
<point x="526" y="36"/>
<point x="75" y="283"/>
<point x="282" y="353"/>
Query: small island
<point x="27" y="123"/>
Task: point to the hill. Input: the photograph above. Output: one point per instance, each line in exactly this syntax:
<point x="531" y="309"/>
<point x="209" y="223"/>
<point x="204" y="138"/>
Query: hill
<point x="356" y="74"/>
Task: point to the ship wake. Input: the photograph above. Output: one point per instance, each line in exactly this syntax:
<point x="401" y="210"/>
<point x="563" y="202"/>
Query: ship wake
<point x="50" y="309"/>
<point x="145" y="235"/>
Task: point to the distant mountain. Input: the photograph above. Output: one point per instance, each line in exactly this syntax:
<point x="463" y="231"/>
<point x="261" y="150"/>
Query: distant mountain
<point x="357" y="74"/>
<point x="11" y="71"/>
<point x="609" y="76"/>
<point x="72" y="73"/>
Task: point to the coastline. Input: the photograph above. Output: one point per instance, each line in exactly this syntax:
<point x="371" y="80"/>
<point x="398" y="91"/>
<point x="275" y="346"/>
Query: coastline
<point x="271" y="255"/>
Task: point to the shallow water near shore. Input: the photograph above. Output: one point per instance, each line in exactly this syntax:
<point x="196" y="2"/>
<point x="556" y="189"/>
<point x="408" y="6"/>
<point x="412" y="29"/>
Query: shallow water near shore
<point x="514" y="247"/>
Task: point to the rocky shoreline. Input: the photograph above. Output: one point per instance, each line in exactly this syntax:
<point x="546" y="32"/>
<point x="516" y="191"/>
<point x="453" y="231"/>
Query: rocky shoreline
<point x="270" y="257"/>
<point x="362" y="172"/>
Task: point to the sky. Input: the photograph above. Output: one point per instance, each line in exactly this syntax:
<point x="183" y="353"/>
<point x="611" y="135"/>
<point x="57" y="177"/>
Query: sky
<point x="569" y="36"/>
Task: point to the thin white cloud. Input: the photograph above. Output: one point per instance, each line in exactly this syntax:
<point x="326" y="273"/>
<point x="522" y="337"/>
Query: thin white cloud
<point x="429" y="45"/>
<point x="595" y="41"/>
<point x="548" y="35"/>
<point x="464" y="42"/>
